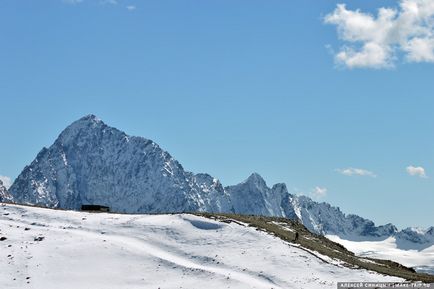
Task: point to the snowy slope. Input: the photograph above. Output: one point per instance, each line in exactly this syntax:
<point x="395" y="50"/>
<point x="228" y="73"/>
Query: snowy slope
<point x="48" y="248"/>
<point x="397" y="248"/>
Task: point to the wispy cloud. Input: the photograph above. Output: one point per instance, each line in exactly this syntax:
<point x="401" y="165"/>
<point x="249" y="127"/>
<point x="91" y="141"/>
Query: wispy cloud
<point x="72" y="1"/>
<point x="7" y="182"/>
<point x="319" y="192"/>
<point x="356" y="172"/>
<point x="416" y="171"/>
<point x="112" y="2"/>
<point x="102" y="3"/>
<point x="377" y="41"/>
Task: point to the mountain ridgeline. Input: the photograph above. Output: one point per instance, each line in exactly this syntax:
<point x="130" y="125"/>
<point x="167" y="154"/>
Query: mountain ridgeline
<point x="92" y="163"/>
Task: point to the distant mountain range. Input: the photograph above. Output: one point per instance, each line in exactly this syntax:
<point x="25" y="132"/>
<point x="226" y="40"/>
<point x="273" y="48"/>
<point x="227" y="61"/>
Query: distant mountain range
<point x="92" y="163"/>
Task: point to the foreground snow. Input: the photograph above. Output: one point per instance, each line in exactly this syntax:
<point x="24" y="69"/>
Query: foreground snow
<point x="65" y="249"/>
<point x="421" y="259"/>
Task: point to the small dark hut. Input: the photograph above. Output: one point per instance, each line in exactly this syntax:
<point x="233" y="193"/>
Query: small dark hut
<point x="95" y="208"/>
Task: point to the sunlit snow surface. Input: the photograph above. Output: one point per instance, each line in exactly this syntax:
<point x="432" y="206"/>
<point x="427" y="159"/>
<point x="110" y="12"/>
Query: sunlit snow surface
<point x="100" y="250"/>
<point x="422" y="259"/>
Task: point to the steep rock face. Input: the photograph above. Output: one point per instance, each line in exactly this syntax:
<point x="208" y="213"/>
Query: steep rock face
<point x="322" y="218"/>
<point x="253" y="196"/>
<point x="417" y="235"/>
<point x="4" y="194"/>
<point x="215" y="198"/>
<point x="92" y="163"/>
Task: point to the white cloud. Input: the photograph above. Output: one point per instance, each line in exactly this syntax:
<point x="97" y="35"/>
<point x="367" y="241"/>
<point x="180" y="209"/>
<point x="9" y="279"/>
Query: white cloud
<point x="376" y="41"/>
<point x="7" y="182"/>
<point x="420" y="50"/>
<point x="131" y="7"/>
<point x="356" y="172"/>
<point x="319" y="192"/>
<point x="416" y="171"/>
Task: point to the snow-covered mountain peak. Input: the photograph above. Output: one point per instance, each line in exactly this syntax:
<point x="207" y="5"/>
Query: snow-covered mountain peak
<point x="417" y="235"/>
<point x="207" y="180"/>
<point x="256" y="180"/>
<point x="91" y="117"/>
<point x="280" y="187"/>
<point x="253" y="196"/>
<point x="87" y="121"/>
<point x="93" y="163"/>
<point x="417" y="230"/>
<point x="87" y="128"/>
<point x="4" y="194"/>
<point x="388" y="229"/>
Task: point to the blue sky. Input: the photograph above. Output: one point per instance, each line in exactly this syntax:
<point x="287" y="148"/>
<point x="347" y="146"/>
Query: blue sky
<point x="232" y="87"/>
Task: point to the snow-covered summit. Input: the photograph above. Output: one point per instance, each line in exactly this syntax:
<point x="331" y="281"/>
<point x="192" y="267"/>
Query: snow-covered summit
<point x="424" y="237"/>
<point x="91" y="162"/>
<point x="4" y="194"/>
<point x="257" y="180"/>
<point x="253" y="196"/>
